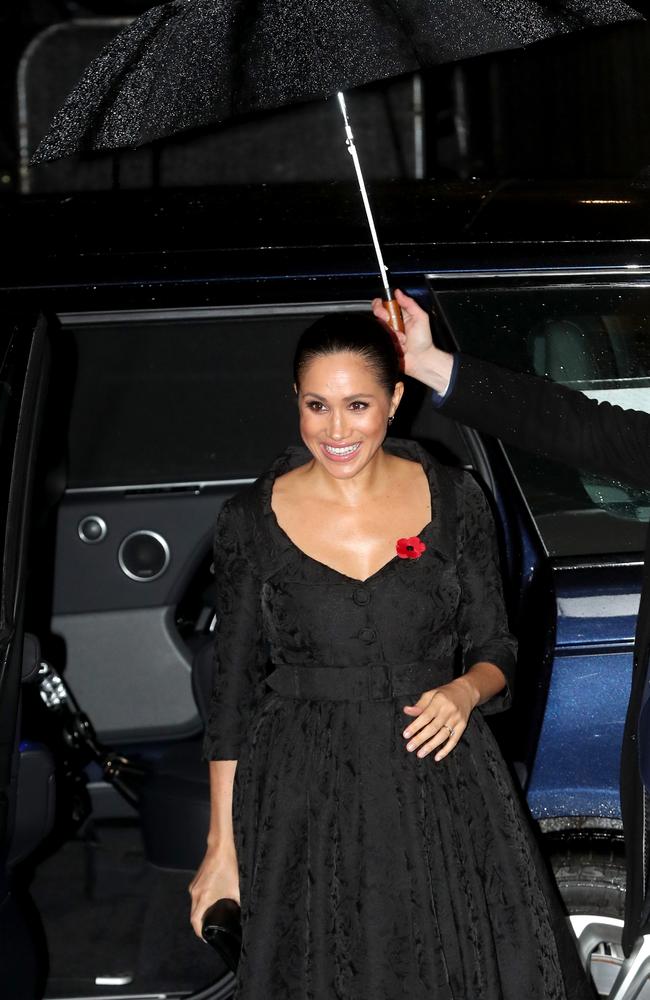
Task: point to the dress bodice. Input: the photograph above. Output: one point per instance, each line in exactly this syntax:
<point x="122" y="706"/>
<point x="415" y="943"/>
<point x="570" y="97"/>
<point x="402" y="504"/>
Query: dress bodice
<point x="277" y="605"/>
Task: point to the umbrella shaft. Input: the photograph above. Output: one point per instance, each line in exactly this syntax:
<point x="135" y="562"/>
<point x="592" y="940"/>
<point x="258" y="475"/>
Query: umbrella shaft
<point x="352" y="149"/>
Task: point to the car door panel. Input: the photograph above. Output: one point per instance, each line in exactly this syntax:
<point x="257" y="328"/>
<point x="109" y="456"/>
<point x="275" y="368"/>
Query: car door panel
<point x="120" y="648"/>
<point x="88" y="577"/>
<point x="24" y="368"/>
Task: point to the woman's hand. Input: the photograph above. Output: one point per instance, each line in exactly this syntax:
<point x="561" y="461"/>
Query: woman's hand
<point x="436" y="713"/>
<point x="217" y="878"/>
<point x="422" y="359"/>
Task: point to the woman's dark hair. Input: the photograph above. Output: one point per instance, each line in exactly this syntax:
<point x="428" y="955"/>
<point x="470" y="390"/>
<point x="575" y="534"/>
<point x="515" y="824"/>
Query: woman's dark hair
<point x="357" y="333"/>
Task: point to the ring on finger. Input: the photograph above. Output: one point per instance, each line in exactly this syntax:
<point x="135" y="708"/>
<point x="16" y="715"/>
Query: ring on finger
<point x="452" y="732"/>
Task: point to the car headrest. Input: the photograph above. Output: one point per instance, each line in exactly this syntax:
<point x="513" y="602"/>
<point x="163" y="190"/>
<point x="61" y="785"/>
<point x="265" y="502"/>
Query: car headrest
<point x="563" y="351"/>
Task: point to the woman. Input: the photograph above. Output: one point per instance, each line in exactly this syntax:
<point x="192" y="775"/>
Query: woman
<point x="378" y="845"/>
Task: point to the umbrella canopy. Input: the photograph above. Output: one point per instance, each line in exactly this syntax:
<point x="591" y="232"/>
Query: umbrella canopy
<point x="192" y="63"/>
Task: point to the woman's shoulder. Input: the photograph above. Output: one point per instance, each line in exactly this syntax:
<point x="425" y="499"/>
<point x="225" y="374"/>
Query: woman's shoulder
<point x="472" y="501"/>
<point x="286" y="481"/>
<point x="242" y="509"/>
<point x="457" y="486"/>
<point x="245" y="510"/>
<point x="444" y="473"/>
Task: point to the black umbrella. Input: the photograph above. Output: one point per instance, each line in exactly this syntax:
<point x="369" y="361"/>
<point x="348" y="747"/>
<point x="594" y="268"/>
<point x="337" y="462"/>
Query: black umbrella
<point x="192" y="63"/>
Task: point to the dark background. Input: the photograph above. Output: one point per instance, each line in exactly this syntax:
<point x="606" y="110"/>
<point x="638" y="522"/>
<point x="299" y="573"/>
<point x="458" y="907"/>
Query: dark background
<point x="575" y="107"/>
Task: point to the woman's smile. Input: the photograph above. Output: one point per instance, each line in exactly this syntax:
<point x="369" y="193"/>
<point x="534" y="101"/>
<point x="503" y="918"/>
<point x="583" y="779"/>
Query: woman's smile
<point x="340" y="452"/>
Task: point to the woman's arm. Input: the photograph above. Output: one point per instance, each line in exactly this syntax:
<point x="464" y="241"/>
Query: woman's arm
<point x="240" y="654"/>
<point x="218" y="874"/>
<point x="525" y="410"/>
<point x="488" y="648"/>
<point x="239" y="673"/>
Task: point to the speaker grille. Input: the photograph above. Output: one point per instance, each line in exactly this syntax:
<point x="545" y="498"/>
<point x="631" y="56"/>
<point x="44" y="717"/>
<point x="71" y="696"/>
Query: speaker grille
<point x="143" y="555"/>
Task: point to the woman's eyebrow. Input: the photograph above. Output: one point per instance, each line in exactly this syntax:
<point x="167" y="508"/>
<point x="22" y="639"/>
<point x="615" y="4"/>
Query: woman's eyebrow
<point x="346" y="399"/>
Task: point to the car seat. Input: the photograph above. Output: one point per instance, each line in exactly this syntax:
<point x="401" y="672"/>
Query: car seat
<point x="570" y="351"/>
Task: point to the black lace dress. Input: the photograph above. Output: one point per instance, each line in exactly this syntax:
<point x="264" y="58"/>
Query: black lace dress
<point x="368" y="873"/>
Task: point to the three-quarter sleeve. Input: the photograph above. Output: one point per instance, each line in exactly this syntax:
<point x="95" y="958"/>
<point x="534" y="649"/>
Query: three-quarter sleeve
<point x="239" y="664"/>
<point x="482" y="621"/>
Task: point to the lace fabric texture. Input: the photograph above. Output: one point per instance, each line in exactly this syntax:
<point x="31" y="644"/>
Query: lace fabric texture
<point x="367" y="872"/>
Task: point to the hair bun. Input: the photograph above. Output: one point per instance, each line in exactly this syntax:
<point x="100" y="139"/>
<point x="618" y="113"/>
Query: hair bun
<point x="357" y="333"/>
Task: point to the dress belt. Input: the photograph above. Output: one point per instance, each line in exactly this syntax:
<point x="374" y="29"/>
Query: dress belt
<point x="377" y="682"/>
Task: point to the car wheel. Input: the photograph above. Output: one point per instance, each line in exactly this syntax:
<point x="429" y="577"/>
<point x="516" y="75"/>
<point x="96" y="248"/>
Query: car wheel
<point x="592" y="884"/>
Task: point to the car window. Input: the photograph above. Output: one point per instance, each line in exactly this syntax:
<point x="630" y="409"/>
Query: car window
<point x="594" y="339"/>
<point x="195" y="395"/>
<point x="179" y="399"/>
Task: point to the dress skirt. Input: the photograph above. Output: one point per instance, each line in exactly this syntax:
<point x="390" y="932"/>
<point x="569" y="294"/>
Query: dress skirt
<point x="368" y="873"/>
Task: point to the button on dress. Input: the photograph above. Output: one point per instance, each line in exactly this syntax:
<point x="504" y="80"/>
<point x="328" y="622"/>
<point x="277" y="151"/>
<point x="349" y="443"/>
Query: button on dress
<point x="367" y="873"/>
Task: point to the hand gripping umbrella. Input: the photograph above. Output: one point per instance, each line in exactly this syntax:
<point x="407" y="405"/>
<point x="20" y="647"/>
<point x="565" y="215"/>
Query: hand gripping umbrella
<point x="193" y="63"/>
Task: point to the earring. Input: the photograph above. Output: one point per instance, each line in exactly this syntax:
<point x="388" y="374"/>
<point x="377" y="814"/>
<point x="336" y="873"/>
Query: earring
<point x="390" y="420"/>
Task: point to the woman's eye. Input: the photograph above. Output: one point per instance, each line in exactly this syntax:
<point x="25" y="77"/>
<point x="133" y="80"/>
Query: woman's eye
<point x="316" y="406"/>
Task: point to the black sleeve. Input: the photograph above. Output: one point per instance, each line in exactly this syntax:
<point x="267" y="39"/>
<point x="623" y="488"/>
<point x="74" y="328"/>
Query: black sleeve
<point x="239" y="648"/>
<point x="482" y="620"/>
<point x="552" y="420"/>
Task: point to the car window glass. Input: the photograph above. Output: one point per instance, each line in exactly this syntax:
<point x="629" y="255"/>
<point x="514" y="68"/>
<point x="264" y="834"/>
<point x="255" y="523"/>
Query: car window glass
<point x="193" y="398"/>
<point x="595" y="340"/>
<point x="180" y="400"/>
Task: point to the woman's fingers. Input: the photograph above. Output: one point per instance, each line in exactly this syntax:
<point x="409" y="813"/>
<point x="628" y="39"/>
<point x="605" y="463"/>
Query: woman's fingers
<point x="438" y="721"/>
<point x="438" y="730"/>
<point x="213" y="880"/>
<point x="424" y="710"/>
<point x="434" y="735"/>
<point x="196" y="917"/>
<point x="447" y="737"/>
<point x="448" y="746"/>
<point x="423" y="702"/>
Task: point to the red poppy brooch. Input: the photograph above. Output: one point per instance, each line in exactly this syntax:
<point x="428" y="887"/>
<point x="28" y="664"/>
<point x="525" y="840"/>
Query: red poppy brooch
<point x="410" y="548"/>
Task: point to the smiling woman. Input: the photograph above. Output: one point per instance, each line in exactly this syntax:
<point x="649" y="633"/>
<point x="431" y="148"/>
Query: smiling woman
<point x="361" y="810"/>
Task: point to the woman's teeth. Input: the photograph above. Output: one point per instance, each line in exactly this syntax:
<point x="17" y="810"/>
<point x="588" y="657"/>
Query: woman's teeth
<point x="347" y="450"/>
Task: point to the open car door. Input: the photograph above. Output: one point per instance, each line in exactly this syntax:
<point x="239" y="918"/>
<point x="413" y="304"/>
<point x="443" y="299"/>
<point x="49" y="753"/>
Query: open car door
<point x="24" y="363"/>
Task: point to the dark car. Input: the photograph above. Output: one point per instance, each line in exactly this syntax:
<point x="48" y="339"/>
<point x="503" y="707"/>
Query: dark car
<point x="147" y="343"/>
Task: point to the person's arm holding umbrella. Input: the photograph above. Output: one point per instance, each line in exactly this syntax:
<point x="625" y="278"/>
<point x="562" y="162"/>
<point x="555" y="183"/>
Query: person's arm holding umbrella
<point x="525" y="410"/>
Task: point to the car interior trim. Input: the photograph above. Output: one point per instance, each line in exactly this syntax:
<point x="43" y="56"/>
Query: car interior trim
<point x="198" y="487"/>
<point x="210" y="312"/>
<point x="593" y="564"/>
<point x="605" y="271"/>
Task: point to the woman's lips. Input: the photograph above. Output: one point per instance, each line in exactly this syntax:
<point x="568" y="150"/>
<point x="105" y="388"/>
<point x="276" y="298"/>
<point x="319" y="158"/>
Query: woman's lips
<point x="340" y="453"/>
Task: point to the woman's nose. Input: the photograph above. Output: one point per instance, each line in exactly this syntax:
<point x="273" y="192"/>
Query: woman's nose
<point x="337" y="425"/>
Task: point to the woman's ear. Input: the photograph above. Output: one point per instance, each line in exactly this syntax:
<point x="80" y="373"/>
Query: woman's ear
<point x="398" y="392"/>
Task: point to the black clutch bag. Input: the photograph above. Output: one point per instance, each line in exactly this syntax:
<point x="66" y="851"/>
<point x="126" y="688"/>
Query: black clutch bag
<point x="221" y="928"/>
